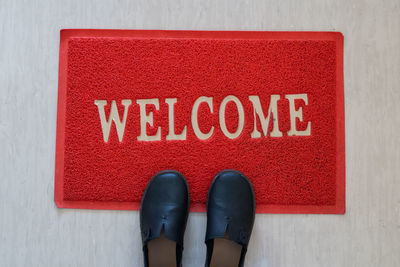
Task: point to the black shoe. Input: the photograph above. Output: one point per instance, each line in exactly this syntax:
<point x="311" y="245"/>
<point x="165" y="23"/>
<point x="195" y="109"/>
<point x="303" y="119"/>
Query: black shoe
<point x="163" y="216"/>
<point x="230" y="219"/>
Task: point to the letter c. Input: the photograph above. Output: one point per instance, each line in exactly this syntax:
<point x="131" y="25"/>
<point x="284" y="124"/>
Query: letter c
<point x="195" y="124"/>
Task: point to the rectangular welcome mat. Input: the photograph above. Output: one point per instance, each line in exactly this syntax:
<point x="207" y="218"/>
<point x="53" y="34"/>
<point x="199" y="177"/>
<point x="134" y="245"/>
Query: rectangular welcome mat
<point x="269" y="104"/>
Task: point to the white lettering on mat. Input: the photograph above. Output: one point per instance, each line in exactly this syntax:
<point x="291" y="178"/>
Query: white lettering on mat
<point x="264" y="121"/>
<point x="222" y="121"/>
<point x="258" y="112"/>
<point x="195" y="124"/>
<point x="294" y="114"/>
<point x="114" y="116"/>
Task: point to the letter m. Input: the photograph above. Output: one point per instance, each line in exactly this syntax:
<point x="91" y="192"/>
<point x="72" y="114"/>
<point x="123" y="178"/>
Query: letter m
<point x="114" y="116"/>
<point x="264" y="120"/>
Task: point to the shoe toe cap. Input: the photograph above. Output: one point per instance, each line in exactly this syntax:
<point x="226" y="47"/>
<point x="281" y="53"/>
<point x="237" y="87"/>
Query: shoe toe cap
<point x="165" y="203"/>
<point x="231" y="207"/>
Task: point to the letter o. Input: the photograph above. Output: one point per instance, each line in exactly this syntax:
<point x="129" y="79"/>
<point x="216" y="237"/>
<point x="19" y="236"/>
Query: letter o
<point x="222" y="122"/>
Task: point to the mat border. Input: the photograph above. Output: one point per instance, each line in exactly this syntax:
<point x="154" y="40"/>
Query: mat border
<point x="66" y="34"/>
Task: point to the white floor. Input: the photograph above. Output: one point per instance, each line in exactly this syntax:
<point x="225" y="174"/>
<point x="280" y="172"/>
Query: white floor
<point x="33" y="232"/>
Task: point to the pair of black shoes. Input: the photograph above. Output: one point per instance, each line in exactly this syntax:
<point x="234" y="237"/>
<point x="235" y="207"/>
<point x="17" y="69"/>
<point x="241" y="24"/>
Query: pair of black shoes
<point x="230" y="218"/>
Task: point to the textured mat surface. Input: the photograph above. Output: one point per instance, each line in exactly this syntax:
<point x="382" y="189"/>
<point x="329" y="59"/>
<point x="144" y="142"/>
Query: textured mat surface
<point x="270" y="104"/>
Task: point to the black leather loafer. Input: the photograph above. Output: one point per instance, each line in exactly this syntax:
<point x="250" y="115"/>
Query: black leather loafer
<point x="230" y="219"/>
<point x="163" y="216"/>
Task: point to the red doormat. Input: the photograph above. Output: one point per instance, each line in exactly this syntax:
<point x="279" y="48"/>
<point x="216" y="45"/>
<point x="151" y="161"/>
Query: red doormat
<point x="269" y="104"/>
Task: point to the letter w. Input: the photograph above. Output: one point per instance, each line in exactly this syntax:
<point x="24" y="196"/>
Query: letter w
<point x="114" y="116"/>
